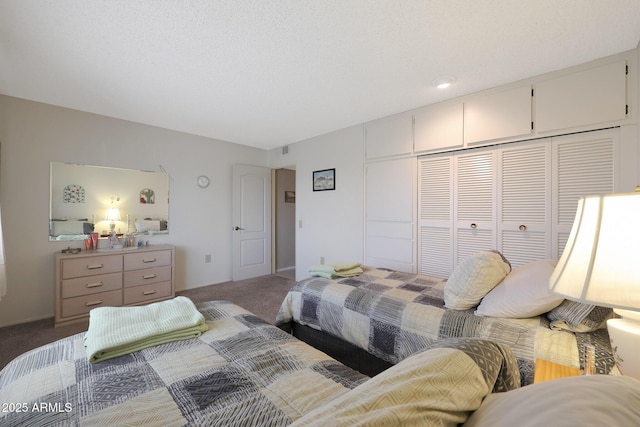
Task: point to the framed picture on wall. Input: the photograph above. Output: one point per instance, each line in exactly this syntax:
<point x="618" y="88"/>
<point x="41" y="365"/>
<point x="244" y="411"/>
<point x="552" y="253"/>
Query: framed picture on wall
<point x="324" y="180"/>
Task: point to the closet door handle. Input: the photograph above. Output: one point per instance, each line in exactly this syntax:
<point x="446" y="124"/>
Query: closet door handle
<point x="474" y="225"/>
<point x="522" y="228"/>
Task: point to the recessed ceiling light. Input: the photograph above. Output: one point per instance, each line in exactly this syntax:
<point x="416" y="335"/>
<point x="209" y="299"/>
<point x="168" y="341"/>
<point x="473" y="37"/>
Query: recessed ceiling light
<point x="443" y="82"/>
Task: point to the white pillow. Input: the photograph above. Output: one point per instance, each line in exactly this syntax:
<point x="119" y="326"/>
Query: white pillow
<point x="473" y="278"/>
<point x="523" y="293"/>
<point x="594" y="400"/>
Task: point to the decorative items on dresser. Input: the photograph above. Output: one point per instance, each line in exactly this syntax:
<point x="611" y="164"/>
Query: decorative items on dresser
<point x="111" y="278"/>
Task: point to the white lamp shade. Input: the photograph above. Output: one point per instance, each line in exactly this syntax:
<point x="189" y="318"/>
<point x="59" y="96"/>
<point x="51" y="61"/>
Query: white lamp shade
<point x="113" y="214"/>
<point x="600" y="264"/>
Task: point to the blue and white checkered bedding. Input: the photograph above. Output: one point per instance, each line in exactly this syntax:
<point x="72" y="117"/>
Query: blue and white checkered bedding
<point x="393" y="315"/>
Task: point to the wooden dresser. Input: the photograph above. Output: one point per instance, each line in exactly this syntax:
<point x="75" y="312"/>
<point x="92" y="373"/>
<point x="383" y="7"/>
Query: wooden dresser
<point x="111" y="278"/>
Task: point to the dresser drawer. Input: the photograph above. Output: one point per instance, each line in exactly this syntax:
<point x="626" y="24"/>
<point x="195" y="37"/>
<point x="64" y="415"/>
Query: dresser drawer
<point x="147" y="275"/>
<point x="141" y="294"/>
<point x="91" y="285"/>
<point x="90" y="266"/>
<point x="134" y="261"/>
<point x="83" y="304"/>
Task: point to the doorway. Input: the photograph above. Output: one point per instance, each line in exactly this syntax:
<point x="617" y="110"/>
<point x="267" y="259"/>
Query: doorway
<point x="285" y="223"/>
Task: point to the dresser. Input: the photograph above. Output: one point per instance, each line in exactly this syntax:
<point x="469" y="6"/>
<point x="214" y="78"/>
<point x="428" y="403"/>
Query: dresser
<point x="93" y="279"/>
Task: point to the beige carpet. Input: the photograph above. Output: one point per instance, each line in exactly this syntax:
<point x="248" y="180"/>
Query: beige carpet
<point x="262" y="296"/>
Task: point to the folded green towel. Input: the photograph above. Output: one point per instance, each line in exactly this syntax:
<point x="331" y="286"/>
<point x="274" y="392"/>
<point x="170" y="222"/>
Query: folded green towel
<point x="341" y="266"/>
<point x="115" y="331"/>
<point x="356" y="271"/>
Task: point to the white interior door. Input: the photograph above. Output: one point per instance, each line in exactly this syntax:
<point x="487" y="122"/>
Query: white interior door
<point x="251" y="221"/>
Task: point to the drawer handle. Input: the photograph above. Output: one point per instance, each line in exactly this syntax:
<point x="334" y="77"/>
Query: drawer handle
<point x="149" y="292"/>
<point x="149" y="276"/>
<point x="94" y="285"/>
<point x="91" y="303"/>
<point x="93" y="267"/>
<point x="149" y="259"/>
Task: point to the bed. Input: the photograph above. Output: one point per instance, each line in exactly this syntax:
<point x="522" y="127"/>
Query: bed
<point x="243" y="371"/>
<point x="377" y="319"/>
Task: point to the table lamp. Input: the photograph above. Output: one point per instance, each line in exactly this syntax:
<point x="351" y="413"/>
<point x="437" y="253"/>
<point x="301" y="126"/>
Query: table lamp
<point x="113" y="215"/>
<point x="600" y="265"/>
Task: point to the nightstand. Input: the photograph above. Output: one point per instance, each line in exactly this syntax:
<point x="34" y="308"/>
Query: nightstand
<point x="546" y="371"/>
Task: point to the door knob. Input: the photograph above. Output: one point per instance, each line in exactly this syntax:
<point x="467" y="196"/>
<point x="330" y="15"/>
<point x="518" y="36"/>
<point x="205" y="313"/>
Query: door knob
<point x="238" y="228"/>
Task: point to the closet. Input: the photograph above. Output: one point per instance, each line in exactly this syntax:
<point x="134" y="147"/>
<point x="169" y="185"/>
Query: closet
<point x="519" y="198"/>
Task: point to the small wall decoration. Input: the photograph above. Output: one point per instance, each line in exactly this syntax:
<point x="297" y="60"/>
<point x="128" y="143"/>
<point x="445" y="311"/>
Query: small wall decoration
<point x="289" y="196"/>
<point x="324" y="180"/>
<point x="73" y="194"/>
<point x="147" y="196"/>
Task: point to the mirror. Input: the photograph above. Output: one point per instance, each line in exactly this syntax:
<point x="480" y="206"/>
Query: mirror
<point x="87" y="198"/>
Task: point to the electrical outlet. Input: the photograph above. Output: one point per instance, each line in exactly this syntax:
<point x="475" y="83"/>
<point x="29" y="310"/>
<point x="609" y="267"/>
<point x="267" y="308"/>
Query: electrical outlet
<point x="321" y="260"/>
<point x="207" y="258"/>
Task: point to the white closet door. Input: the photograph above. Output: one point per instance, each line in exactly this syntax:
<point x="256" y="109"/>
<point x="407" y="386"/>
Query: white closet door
<point x="524" y="208"/>
<point x="584" y="164"/>
<point x="435" y="215"/>
<point x="474" y="203"/>
<point x="390" y="214"/>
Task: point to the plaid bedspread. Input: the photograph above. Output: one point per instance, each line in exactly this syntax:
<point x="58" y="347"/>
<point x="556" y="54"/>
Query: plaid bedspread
<point x="393" y="315"/>
<point x="241" y="372"/>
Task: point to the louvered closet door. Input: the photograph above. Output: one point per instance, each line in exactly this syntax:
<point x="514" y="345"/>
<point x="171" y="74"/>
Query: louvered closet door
<point x="584" y="164"/>
<point x="524" y="208"/>
<point x="474" y="204"/>
<point x="435" y="215"/>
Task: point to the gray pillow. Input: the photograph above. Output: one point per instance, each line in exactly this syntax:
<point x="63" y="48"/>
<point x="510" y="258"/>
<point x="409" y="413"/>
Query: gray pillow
<point x="578" y="317"/>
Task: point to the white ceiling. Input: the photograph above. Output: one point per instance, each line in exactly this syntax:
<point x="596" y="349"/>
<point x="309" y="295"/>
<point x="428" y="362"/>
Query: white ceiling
<point x="266" y="73"/>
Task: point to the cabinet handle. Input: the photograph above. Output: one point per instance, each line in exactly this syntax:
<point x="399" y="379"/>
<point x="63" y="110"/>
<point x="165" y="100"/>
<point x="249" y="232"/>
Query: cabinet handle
<point x="149" y="276"/>
<point x="149" y="259"/>
<point x="91" y="303"/>
<point x="93" y="267"/>
<point x="522" y="227"/>
<point x="474" y="225"/>
<point x="94" y="285"/>
<point x="149" y="292"/>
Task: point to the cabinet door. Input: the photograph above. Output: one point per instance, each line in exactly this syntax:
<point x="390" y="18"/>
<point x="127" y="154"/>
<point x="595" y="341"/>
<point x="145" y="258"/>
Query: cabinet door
<point x="391" y="136"/>
<point x="390" y="214"/>
<point x="435" y="215"/>
<point x="438" y="128"/>
<point x="597" y="95"/>
<point x="524" y="208"/>
<point x="498" y="115"/>
<point x="583" y="164"/>
<point x="474" y="203"/>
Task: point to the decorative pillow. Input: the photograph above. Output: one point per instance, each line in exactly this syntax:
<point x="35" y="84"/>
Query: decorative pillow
<point x="147" y="225"/>
<point x="440" y="386"/>
<point x="595" y="400"/>
<point x="523" y="293"/>
<point x="473" y="278"/>
<point x="579" y="317"/>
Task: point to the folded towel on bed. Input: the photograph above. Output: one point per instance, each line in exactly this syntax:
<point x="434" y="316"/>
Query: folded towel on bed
<point x="115" y="331"/>
<point x="334" y="271"/>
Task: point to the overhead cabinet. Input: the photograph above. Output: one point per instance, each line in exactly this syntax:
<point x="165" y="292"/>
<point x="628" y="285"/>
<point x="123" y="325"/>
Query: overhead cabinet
<point x="497" y="115"/>
<point x="439" y="127"/>
<point x="596" y="95"/>
<point x="388" y="137"/>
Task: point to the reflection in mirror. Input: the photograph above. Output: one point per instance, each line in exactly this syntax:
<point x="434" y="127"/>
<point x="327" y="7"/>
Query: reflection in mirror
<point x="86" y="198"/>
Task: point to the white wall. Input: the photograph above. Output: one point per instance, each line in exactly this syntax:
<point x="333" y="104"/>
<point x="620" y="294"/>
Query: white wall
<point x="285" y="220"/>
<point x="332" y="221"/>
<point x="33" y="134"/>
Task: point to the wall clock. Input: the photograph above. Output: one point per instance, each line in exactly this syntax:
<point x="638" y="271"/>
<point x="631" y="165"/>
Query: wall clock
<point x="202" y="181"/>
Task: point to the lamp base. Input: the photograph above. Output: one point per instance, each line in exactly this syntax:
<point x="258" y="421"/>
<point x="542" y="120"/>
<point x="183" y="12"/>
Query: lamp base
<point x="625" y="341"/>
